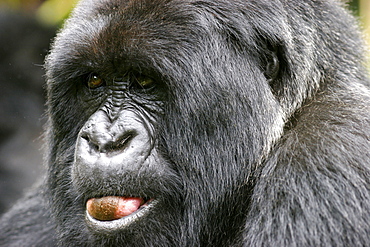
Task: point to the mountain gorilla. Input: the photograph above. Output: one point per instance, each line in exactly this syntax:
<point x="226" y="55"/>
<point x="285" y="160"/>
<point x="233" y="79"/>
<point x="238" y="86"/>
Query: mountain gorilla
<point x="203" y="123"/>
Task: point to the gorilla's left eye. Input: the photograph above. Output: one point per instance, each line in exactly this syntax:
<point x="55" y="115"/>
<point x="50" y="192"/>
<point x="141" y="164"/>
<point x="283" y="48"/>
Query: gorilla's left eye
<point x="144" y="82"/>
<point x="94" y="81"/>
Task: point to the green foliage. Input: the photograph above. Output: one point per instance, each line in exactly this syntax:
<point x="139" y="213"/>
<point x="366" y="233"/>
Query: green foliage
<point x="49" y="12"/>
<point x="354" y="6"/>
<point x="53" y="12"/>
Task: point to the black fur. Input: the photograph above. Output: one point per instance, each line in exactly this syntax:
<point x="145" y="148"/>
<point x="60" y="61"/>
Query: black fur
<point x="262" y="131"/>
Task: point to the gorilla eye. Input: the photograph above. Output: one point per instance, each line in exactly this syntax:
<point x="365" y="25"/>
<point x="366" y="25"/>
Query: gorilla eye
<point x="144" y="82"/>
<point x="95" y="81"/>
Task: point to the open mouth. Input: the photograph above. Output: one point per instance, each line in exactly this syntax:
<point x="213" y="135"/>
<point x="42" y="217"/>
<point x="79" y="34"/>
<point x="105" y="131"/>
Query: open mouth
<point x="114" y="212"/>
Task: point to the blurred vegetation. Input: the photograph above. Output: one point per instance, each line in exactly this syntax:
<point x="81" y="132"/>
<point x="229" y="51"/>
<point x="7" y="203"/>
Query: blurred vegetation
<point x="365" y="16"/>
<point x="48" y="12"/>
<point x="54" y="11"/>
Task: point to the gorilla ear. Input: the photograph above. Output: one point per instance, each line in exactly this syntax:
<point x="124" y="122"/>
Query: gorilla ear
<point x="271" y="63"/>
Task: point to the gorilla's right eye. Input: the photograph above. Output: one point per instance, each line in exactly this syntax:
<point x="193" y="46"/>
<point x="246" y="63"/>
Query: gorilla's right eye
<point x="94" y="81"/>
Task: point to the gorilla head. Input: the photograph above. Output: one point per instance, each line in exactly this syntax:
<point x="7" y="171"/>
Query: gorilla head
<point x="194" y="123"/>
<point x="159" y="109"/>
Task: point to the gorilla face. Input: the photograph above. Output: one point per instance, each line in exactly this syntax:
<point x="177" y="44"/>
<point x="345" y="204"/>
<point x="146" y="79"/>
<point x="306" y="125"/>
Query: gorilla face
<point x="116" y="155"/>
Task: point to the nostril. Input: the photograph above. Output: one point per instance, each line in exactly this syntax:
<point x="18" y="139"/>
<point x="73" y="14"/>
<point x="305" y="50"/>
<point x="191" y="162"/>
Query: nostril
<point x="108" y="143"/>
<point x="121" y="143"/>
<point x="86" y="137"/>
<point x="91" y="144"/>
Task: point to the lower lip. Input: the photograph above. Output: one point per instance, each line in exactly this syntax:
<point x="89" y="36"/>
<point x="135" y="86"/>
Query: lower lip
<point x="114" y="225"/>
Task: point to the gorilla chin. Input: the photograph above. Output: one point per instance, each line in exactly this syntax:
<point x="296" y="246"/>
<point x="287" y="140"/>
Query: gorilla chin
<point x="203" y="123"/>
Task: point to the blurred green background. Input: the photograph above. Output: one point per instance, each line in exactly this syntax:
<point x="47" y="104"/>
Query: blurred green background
<point x="361" y="9"/>
<point x="49" y="12"/>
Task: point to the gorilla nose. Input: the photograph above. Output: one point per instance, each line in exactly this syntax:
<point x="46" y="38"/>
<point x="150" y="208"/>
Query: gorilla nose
<point x="105" y="146"/>
<point x="107" y="142"/>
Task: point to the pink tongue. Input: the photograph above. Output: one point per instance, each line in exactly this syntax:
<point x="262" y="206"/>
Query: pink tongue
<point x="112" y="207"/>
<point x="127" y="206"/>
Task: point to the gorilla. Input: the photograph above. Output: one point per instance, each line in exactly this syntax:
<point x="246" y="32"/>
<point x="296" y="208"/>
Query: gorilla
<point x="203" y="123"/>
